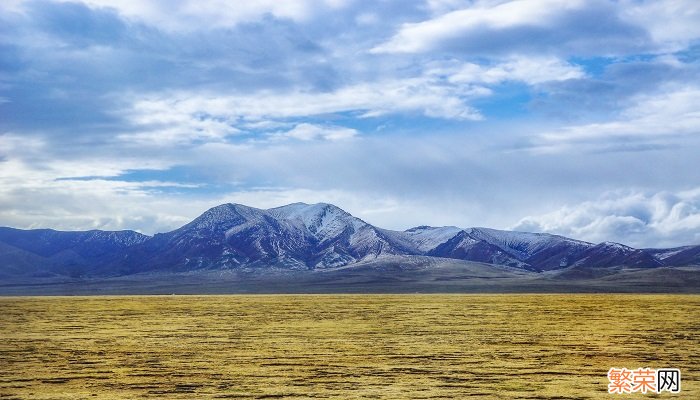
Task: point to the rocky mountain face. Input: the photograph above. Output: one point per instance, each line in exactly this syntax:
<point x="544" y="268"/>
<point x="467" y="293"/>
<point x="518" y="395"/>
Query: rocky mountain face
<point x="302" y="237"/>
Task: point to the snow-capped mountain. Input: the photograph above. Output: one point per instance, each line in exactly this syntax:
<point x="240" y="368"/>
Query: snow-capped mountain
<point x="303" y="237"/>
<point x="297" y="236"/>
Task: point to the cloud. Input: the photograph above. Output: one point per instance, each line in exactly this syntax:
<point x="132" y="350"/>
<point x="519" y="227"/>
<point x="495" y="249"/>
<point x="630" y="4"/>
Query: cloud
<point x="441" y="90"/>
<point x="71" y="65"/>
<point x="466" y="113"/>
<point x="33" y="196"/>
<point x="653" y="118"/>
<point x="634" y="218"/>
<point x="426" y="35"/>
<point x="12" y="5"/>
<point x="307" y="132"/>
<point x="611" y="86"/>
<point x="190" y="14"/>
<point x="508" y="27"/>
<point x="395" y="181"/>
<point x="178" y="116"/>
<point x="529" y="70"/>
<point x="160" y="124"/>
<point x="672" y="23"/>
<point x="438" y="7"/>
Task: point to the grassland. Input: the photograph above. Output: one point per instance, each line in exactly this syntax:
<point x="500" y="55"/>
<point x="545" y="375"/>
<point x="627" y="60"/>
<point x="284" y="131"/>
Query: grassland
<point x="341" y="346"/>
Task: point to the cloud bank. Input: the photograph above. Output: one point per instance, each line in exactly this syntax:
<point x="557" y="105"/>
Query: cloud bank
<point x="575" y="117"/>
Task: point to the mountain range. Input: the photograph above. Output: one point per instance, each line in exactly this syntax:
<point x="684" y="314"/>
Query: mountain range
<point x="303" y="237"/>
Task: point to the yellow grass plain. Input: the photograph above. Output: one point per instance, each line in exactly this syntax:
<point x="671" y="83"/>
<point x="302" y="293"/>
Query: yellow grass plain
<point x="342" y="346"/>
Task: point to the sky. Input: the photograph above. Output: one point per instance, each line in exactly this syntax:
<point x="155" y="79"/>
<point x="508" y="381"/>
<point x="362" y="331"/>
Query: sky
<point x="573" y="117"/>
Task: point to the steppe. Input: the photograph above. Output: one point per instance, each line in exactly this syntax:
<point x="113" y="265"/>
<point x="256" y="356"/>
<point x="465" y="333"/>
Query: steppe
<point x="529" y="346"/>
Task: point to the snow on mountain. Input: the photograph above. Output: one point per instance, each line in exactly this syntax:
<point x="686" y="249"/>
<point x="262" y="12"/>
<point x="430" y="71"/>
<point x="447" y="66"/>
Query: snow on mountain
<point x="663" y="254"/>
<point x="117" y="238"/>
<point x="228" y="236"/>
<point x="522" y="244"/>
<point x="537" y="251"/>
<point x="464" y="246"/>
<point x="609" y="254"/>
<point x="426" y="238"/>
<point x="342" y="238"/>
<point x="219" y="219"/>
<point x="325" y="221"/>
<point x="298" y="235"/>
<point x="688" y="255"/>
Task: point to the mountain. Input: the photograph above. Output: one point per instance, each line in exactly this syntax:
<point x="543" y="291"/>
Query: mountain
<point x="296" y="236"/>
<point x="541" y="251"/>
<point x="465" y="246"/>
<point x="531" y="251"/>
<point x="687" y="255"/>
<point x="609" y="254"/>
<point x="46" y="252"/>
<point x="303" y="237"/>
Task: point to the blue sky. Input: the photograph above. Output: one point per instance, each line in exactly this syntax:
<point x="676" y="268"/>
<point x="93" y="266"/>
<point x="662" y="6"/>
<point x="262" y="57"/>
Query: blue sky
<point x="574" y="117"/>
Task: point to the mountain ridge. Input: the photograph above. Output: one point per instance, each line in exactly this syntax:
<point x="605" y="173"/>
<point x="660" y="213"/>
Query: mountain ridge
<point x="302" y="236"/>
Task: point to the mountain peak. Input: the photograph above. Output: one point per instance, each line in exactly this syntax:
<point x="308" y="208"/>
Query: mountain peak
<point x="422" y="228"/>
<point x="222" y="218"/>
<point x="323" y="219"/>
<point x="615" y="245"/>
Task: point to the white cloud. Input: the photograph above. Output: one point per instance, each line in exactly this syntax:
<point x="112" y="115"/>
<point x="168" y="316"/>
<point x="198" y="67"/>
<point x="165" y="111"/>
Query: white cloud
<point x="673" y="112"/>
<point x="438" y="7"/>
<point x="634" y="218"/>
<point x="308" y="132"/>
<point x="162" y="123"/>
<point x="367" y="19"/>
<point x="371" y="99"/>
<point x="33" y="196"/>
<point x="30" y="160"/>
<point x="186" y="15"/>
<point x="11" y="5"/>
<point x="530" y="70"/>
<point x="673" y="24"/>
<point x="443" y="90"/>
<point x="182" y="117"/>
<point x="426" y="35"/>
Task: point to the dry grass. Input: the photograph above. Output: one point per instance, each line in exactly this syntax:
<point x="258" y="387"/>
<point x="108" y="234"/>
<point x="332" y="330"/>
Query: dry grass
<point x="341" y="346"/>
